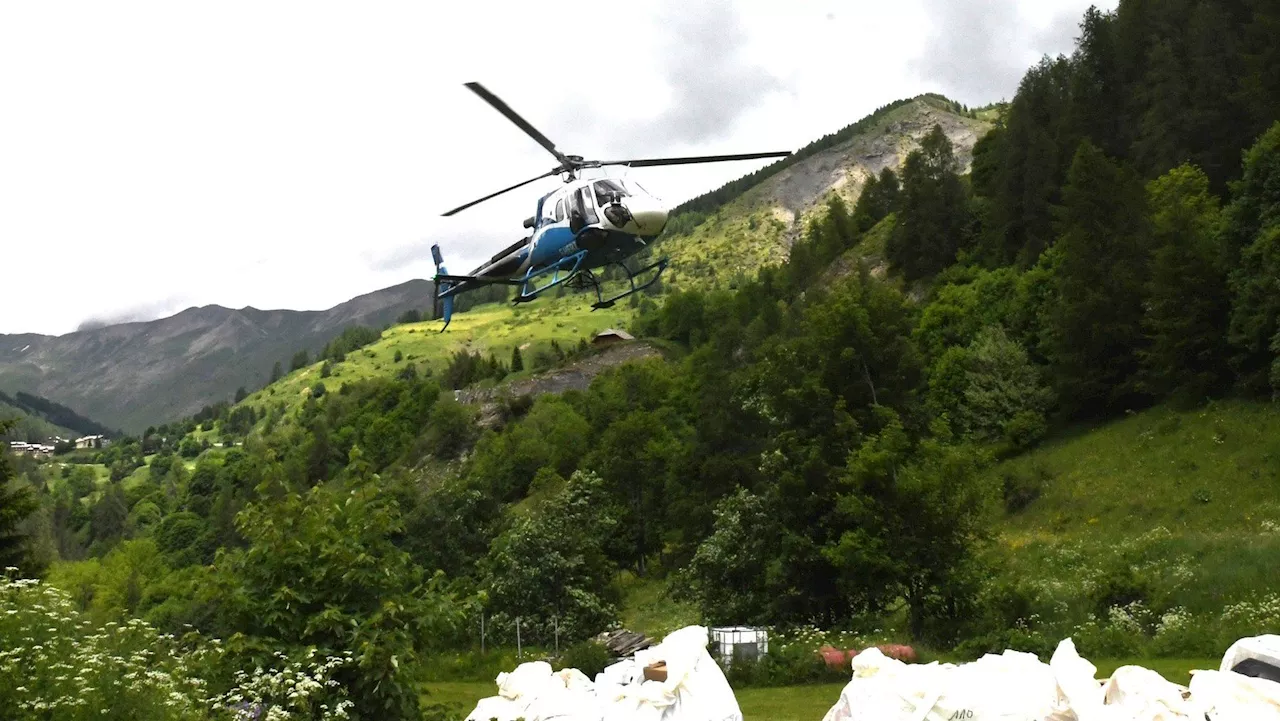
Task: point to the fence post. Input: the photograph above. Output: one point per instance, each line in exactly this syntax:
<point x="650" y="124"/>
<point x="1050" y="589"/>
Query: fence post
<point x="482" y="632"/>
<point x="556" y="621"/>
<point x="519" y="648"/>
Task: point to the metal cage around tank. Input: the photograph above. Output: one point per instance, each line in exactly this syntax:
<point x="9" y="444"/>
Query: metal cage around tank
<point x="739" y="643"/>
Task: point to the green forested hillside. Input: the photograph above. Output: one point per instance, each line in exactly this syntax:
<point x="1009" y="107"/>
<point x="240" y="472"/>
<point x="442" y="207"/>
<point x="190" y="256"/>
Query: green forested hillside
<point x="970" y="411"/>
<point x="39" y="419"/>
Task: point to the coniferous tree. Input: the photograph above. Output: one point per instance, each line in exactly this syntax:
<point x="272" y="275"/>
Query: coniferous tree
<point x="1097" y="90"/>
<point x="277" y="372"/>
<point x="1160" y="145"/>
<point x="935" y="210"/>
<point x="879" y="198"/>
<point x="301" y="359"/>
<point x="517" y="363"/>
<point x="241" y="394"/>
<point x="15" y="505"/>
<point x="1217" y="125"/>
<point x="1187" y="306"/>
<point x="1019" y="171"/>
<point x="1253" y="223"/>
<point x="1260" y="57"/>
<point x="1096" y="319"/>
<point x="106" y="520"/>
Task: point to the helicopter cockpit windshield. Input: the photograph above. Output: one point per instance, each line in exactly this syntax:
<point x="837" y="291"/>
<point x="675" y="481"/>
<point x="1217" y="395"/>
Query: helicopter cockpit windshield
<point x="606" y="189"/>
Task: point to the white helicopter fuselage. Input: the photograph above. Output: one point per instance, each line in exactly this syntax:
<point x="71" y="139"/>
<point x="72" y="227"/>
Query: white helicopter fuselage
<point x="609" y="218"/>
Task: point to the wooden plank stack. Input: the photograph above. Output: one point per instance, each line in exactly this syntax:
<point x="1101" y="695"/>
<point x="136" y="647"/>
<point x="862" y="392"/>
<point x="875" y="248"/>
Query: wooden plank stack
<point x="622" y="643"/>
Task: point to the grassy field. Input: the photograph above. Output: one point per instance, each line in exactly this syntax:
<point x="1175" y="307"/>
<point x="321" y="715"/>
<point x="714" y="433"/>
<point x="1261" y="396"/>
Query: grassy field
<point x="1211" y="470"/>
<point x="1173" y="516"/>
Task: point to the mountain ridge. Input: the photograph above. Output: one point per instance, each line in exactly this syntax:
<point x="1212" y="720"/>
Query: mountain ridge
<point x="133" y="375"/>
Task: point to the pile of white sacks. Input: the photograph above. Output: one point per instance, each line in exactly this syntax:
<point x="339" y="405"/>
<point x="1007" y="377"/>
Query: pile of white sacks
<point x="695" y="689"/>
<point x="1016" y="686"/>
<point x="1012" y="686"/>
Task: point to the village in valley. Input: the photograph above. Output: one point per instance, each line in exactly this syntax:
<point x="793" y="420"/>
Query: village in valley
<point x="55" y="444"/>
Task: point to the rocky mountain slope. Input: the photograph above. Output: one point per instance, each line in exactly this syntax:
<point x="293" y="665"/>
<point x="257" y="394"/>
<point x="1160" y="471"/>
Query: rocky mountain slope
<point x="759" y="226"/>
<point x="133" y="375"/>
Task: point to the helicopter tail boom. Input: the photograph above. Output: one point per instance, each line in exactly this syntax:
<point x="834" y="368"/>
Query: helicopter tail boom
<point x="443" y="298"/>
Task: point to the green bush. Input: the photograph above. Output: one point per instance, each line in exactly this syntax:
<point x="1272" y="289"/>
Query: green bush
<point x="588" y="657"/>
<point x="1021" y="490"/>
<point x="789" y="666"/>
<point x="1025" y="429"/>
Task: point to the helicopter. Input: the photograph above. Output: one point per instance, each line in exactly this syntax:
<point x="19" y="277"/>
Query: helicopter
<point x="576" y="230"/>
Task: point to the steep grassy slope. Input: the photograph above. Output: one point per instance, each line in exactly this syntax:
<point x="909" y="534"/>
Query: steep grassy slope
<point x="758" y="227"/>
<point x="1210" y="470"/>
<point x="494" y="328"/>
<point x="1175" y="509"/>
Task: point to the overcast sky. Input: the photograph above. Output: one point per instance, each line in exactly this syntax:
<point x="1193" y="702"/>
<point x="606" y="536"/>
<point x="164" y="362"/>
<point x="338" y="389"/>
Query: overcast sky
<point x="156" y="156"/>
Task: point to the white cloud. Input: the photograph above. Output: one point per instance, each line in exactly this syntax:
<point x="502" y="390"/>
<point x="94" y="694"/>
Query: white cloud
<point x="291" y="154"/>
<point x="978" y="50"/>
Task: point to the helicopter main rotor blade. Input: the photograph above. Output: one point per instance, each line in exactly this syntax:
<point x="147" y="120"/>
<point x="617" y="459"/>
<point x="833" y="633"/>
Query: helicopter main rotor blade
<point x="520" y="122"/>
<point x="500" y="192"/>
<point x="652" y="162"/>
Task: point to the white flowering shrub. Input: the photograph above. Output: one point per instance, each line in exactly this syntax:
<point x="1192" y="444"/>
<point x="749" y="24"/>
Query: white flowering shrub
<point x="294" y="690"/>
<point x="1179" y="632"/>
<point x="1260" y="614"/>
<point x="56" y="664"/>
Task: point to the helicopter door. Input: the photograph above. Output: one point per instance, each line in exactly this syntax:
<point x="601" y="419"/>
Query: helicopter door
<point x="582" y="211"/>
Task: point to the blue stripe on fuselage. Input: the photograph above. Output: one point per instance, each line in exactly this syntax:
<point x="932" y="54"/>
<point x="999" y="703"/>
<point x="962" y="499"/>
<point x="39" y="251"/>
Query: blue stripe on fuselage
<point x="551" y="245"/>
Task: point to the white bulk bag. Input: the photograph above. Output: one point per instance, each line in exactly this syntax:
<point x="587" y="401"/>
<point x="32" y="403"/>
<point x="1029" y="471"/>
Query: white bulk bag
<point x="1134" y="693"/>
<point x="1011" y="686"/>
<point x="1263" y="648"/>
<point x="1229" y="696"/>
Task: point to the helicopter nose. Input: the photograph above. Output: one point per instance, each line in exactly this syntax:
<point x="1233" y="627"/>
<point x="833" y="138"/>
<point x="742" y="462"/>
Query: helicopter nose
<point x="651" y="222"/>
<point x="650" y="217"/>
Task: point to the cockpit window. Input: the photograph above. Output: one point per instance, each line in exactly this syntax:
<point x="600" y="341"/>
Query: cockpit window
<point x="605" y="190"/>
<point x="560" y="210"/>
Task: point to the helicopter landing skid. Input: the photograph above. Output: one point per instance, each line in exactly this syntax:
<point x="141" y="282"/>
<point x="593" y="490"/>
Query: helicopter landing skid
<point x="562" y="271"/>
<point x="601" y="302"/>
